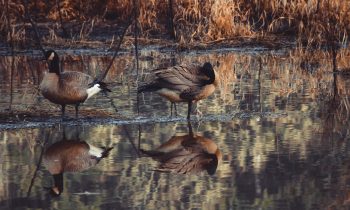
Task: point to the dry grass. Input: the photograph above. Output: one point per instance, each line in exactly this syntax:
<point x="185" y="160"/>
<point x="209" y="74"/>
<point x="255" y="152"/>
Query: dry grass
<point x="313" y="23"/>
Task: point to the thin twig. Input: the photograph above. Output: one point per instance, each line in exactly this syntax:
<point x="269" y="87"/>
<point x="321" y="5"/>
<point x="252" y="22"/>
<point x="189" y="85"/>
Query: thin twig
<point x="112" y="102"/>
<point x="12" y="52"/>
<point x="65" y="33"/>
<point x="47" y="136"/>
<point x="259" y="85"/>
<point x="136" y="14"/>
<point x="117" y="49"/>
<point x="139" y="143"/>
<point x="36" y="33"/>
<point x="131" y="141"/>
<point x="37" y="37"/>
<point x="334" y="62"/>
<point x="114" y="56"/>
<point x="171" y="20"/>
<point x="190" y="130"/>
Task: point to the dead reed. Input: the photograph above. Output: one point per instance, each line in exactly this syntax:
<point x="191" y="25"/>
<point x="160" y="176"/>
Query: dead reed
<point x="312" y="23"/>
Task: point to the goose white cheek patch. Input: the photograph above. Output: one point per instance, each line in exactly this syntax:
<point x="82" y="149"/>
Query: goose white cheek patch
<point x="95" y="151"/>
<point x="93" y="90"/>
<point x="51" y="56"/>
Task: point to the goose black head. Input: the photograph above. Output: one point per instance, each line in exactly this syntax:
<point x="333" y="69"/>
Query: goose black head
<point x="212" y="164"/>
<point x="58" y="188"/>
<point x="53" y="61"/>
<point x="207" y="69"/>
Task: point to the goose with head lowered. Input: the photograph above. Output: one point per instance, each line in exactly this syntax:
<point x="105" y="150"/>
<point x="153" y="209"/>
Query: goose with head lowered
<point x="68" y="88"/>
<point x="187" y="154"/>
<point x="183" y="83"/>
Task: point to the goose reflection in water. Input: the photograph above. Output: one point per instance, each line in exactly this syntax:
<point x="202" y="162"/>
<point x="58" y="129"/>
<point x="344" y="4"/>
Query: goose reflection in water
<point x="187" y="154"/>
<point x="71" y="156"/>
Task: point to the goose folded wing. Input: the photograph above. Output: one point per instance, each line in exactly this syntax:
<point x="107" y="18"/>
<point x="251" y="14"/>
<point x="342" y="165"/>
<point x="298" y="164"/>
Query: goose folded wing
<point x="190" y="93"/>
<point x="193" y="163"/>
<point x="74" y="78"/>
<point x="179" y="78"/>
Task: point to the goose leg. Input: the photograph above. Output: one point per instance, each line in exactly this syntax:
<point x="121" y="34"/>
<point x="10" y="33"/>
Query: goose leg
<point x="171" y="109"/>
<point x="189" y="110"/>
<point x="63" y="108"/>
<point x="175" y="109"/>
<point x="199" y="114"/>
<point x="76" y="110"/>
<point x="190" y="131"/>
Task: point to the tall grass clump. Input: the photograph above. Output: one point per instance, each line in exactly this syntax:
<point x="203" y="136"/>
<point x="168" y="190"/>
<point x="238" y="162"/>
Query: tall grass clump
<point x="312" y="23"/>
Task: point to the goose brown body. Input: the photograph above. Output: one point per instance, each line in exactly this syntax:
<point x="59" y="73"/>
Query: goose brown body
<point x="70" y="156"/>
<point x="187" y="154"/>
<point x="183" y="83"/>
<point x="67" y="88"/>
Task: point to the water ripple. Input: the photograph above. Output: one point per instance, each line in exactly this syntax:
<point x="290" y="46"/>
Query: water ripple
<point x="140" y="120"/>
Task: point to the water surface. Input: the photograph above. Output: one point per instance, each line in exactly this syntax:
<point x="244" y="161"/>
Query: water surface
<point x="282" y="135"/>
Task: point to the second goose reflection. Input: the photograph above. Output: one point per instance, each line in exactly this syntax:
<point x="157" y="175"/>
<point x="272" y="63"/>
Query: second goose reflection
<point x="187" y="154"/>
<point x="71" y="156"/>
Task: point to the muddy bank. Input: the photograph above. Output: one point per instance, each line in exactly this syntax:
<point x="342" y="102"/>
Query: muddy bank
<point x="107" y="48"/>
<point x="104" y="40"/>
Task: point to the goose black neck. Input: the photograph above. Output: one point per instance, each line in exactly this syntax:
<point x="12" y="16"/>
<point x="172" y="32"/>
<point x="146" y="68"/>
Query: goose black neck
<point x="54" y="66"/>
<point x="208" y="70"/>
<point x="211" y="77"/>
<point x="212" y="165"/>
<point x="58" y="179"/>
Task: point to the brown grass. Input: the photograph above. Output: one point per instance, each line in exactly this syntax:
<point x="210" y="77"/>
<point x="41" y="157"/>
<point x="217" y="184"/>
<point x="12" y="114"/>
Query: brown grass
<point x="313" y="23"/>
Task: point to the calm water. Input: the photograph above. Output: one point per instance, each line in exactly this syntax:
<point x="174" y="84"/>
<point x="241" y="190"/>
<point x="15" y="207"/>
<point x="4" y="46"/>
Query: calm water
<point x="281" y="135"/>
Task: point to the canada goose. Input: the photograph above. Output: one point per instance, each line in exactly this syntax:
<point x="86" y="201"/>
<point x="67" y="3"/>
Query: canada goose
<point x="70" y="156"/>
<point x="183" y="83"/>
<point x="69" y="87"/>
<point x="187" y="154"/>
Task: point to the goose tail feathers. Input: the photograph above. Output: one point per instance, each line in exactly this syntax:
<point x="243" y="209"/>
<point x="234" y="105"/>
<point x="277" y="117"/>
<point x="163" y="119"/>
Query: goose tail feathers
<point x="106" y="151"/>
<point x="99" y="152"/>
<point x="96" y="87"/>
<point x="104" y="86"/>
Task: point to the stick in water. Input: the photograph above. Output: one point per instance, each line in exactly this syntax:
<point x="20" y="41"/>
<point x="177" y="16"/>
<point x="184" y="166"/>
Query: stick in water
<point x="37" y="37"/>
<point x="117" y="49"/>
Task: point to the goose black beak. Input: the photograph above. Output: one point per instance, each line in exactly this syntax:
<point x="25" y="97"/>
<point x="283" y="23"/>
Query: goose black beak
<point x="55" y="192"/>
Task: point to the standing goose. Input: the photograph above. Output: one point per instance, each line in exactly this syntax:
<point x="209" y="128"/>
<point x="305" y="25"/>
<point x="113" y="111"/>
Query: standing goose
<point x="71" y="156"/>
<point x="183" y="83"/>
<point x="69" y="87"/>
